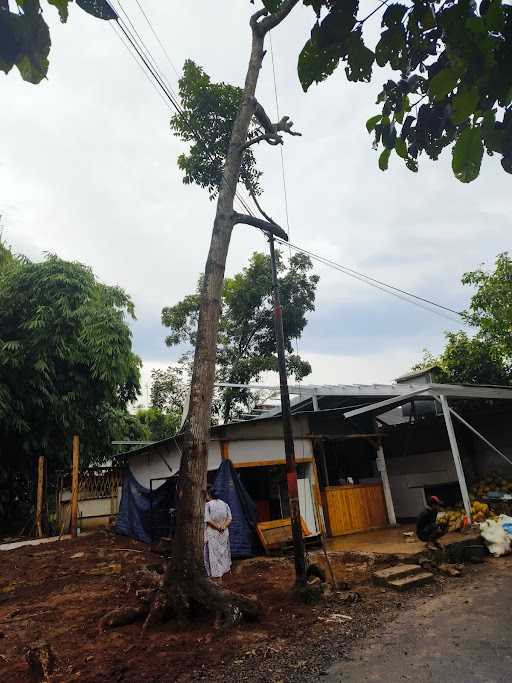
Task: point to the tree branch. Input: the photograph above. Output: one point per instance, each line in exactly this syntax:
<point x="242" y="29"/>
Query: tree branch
<point x="272" y="20"/>
<point x="272" y="130"/>
<point x="253" y="22"/>
<point x="265" y="215"/>
<point x="271" y="139"/>
<point x="266" y="226"/>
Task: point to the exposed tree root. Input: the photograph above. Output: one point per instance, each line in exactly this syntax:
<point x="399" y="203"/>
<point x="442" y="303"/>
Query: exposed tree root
<point x="123" y="616"/>
<point x="202" y="594"/>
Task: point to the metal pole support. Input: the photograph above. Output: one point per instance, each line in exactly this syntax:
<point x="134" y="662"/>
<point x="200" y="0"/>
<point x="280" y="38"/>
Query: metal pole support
<point x="381" y="466"/>
<point x="456" y="455"/>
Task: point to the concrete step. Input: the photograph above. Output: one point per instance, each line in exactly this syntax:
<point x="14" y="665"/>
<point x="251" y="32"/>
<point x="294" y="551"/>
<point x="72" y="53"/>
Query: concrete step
<point x="398" y="571"/>
<point x="411" y="581"/>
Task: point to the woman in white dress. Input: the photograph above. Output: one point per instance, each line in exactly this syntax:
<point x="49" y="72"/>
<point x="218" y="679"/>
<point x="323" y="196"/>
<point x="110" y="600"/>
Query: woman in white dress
<point x="217" y="553"/>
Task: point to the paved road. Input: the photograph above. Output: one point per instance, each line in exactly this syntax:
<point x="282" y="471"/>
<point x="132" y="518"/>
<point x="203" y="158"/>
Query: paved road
<point x="461" y="636"/>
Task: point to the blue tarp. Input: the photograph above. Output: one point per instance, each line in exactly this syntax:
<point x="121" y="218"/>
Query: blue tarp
<point x="136" y="508"/>
<point x="242" y="531"/>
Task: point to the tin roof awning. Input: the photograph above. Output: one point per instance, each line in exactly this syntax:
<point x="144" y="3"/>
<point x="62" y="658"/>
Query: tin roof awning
<point x="431" y="391"/>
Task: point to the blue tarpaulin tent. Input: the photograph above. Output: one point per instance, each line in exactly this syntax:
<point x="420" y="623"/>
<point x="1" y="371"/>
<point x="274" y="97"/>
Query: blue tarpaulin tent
<point x="242" y="531"/>
<point x="139" y="505"/>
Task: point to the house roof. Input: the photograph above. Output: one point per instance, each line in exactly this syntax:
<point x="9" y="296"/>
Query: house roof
<point x="350" y="401"/>
<point x="433" y="391"/>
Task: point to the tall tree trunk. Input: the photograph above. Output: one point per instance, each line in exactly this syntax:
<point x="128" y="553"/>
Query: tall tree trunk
<point x="184" y="582"/>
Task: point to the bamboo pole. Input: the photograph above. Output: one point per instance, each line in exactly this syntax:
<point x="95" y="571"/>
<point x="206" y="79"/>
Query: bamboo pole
<point x="74" y="486"/>
<point x="39" y="499"/>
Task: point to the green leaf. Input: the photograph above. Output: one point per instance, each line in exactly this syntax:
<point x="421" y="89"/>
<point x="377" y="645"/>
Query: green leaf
<point x="401" y="148"/>
<point x="315" y="64"/>
<point x="467" y="155"/>
<point x="493" y="16"/>
<point x="384" y="160"/>
<point x="98" y="8"/>
<point x="506" y="164"/>
<point x="393" y="15"/>
<point x="33" y="65"/>
<point x="62" y="6"/>
<point x="388" y="133"/>
<point x="337" y="25"/>
<point x="492" y="135"/>
<point x="444" y="82"/>
<point x="359" y="58"/>
<point x="464" y="104"/>
<point x="372" y="122"/>
<point x="392" y="48"/>
<point x="272" y="5"/>
<point x="315" y="4"/>
<point x="400" y="113"/>
<point x="11" y="40"/>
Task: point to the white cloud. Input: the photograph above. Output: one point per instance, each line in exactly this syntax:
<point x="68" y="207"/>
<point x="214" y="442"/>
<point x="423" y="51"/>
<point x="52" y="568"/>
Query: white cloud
<point x="88" y="170"/>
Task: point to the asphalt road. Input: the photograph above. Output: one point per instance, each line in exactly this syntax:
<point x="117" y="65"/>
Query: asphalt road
<point x="461" y="636"/>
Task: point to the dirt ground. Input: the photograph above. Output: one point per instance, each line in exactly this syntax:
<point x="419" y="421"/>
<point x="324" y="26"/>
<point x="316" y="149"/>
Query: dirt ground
<point x="59" y="592"/>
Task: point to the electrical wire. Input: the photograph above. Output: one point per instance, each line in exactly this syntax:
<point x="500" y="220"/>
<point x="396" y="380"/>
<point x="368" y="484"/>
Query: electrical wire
<point x="147" y="51"/>
<point x="286" y="207"/>
<point x="162" y="46"/>
<point x="402" y="294"/>
<point x="379" y="284"/>
<point x="148" y="64"/>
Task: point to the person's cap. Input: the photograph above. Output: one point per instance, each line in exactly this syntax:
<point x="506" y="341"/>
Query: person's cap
<point x="436" y="499"/>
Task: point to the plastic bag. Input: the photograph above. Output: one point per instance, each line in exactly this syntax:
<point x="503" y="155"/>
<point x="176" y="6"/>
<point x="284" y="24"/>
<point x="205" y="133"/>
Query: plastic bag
<point x="495" y="537"/>
<point x="506" y="523"/>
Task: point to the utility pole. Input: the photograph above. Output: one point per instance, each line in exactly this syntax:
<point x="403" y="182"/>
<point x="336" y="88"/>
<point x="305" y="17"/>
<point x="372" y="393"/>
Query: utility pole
<point x="291" y="469"/>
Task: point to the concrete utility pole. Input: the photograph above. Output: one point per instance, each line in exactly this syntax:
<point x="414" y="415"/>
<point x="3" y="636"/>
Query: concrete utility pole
<point x="291" y="469"/>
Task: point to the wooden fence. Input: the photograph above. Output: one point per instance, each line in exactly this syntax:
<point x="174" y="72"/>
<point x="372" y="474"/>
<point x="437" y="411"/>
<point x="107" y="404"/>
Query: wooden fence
<point x="354" y="508"/>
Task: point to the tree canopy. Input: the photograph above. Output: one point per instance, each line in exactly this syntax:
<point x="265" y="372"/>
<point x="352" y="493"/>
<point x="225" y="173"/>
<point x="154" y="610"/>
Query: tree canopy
<point x="453" y="83"/>
<point x="25" y="37"/>
<point x="209" y="111"/>
<point x="155" y="424"/>
<point x="246" y="343"/>
<point x="485" y="357"/>
<point x="66" y="362"/>
<point x="169" y="387"/>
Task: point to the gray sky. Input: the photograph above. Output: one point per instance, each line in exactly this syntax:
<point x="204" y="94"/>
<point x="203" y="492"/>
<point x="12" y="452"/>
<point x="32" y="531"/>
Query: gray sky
<point x="88" y="171"/>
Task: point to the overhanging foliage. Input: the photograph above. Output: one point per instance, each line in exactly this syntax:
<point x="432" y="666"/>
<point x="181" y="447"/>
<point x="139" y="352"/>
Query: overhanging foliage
<point x="25" y="38"/>
<point x="453" y="86"/>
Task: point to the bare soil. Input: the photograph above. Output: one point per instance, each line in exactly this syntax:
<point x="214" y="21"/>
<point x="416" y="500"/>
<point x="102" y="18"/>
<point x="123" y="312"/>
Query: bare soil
<point x="58" y="593"/>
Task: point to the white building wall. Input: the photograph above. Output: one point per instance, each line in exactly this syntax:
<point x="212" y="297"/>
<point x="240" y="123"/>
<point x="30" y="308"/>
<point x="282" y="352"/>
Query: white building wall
<point x="267" y="449"/>
<point x="147" y="466"/>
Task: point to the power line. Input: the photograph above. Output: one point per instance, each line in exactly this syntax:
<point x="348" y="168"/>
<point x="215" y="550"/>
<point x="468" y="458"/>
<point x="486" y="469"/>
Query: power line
<point x="402" y="294"/>
<point x="166" y="93"/>
<point x="148" y="61"/>
<point x="162" y="46"/>
<point x="123" y="40"/>
<point x="348" y="271"/>
<point x="147" y="51"/>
